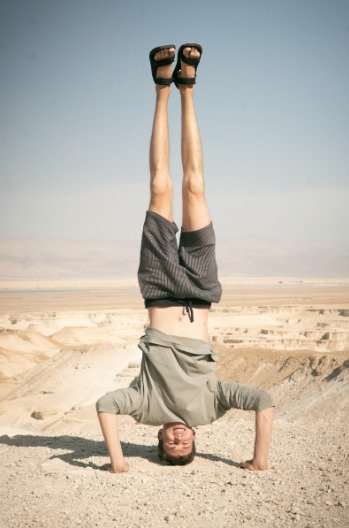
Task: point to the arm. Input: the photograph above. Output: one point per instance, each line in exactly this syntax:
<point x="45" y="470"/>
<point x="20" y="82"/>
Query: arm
<point x="121" y="401"/>
<point x="264" y="425"/>
<point x="238" y="396"/>
<point x="110" y="430"/>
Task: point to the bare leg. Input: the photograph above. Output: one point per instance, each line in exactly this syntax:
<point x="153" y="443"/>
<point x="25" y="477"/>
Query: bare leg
<point x="159" y="155"/>
<point x="195" y="212"/>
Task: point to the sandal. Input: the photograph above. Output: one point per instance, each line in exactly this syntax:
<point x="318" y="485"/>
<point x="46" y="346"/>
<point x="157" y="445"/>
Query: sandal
<point x="155" y="64"/>
<point x="188" y="60"/>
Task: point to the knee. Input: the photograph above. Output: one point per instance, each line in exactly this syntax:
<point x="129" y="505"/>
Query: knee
<point x="160" y="186"/>
<point x="193" y="185"/>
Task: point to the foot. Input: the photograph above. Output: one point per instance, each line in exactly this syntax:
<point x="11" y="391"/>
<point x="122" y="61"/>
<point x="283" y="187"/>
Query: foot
<point x="164" y="72"/>
<point x="188" y="71"/>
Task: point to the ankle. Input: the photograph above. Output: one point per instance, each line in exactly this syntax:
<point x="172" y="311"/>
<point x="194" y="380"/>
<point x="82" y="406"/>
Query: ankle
<point x="162" y="90"/>
<point x="186" y="92"/>
<point x="186" y="88"/>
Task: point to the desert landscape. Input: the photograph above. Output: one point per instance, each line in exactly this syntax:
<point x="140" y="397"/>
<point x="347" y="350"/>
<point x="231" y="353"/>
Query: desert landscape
<point x="65" y="343"/>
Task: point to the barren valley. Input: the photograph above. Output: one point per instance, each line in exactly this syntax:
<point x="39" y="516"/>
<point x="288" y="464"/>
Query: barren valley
<point x="63" y="345"/>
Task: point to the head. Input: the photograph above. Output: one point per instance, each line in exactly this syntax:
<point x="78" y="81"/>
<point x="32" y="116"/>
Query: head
<point x="176" y="444"/>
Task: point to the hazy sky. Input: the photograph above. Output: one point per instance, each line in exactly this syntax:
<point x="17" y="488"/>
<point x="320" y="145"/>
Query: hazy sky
<point x="77" y="103"/>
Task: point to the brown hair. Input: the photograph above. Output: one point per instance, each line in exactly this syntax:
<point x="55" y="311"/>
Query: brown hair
<point x="175" y="461"/>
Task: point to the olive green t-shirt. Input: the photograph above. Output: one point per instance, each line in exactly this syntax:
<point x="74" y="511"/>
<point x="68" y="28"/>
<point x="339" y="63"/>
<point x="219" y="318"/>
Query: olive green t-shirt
<point x="177" y="384"/>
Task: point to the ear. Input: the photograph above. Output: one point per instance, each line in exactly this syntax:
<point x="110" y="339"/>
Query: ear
<point x="159" y="434"/>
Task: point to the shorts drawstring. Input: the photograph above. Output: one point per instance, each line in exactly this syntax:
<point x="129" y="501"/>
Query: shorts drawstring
<point x="188" y="309"/>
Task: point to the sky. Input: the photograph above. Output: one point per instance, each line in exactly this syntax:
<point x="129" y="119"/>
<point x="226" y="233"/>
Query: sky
<point x="77" y="100"/>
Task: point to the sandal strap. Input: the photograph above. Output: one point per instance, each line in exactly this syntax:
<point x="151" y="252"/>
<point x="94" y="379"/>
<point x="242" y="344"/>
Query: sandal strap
<point x="163" y="81"/>
<point x="190" y="61"/>
<point x="162" y="62"/>
<point x="185" y="80"/>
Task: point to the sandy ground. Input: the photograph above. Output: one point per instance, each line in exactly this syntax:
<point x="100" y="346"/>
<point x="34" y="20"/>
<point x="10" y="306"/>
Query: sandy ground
<point x="62" y="349"/>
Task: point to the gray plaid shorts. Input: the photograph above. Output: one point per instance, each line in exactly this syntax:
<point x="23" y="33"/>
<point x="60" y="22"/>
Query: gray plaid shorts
<point x="187" y="271"/>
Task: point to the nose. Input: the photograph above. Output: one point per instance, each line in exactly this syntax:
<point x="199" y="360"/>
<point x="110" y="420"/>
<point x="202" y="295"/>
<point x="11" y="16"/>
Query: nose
<point x="176" y="440"/>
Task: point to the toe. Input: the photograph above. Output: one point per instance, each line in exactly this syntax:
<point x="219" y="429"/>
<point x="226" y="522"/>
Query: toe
<point x="164" y="54"/>
<point x="193" y="53"/>
<point x="186" y="52"/>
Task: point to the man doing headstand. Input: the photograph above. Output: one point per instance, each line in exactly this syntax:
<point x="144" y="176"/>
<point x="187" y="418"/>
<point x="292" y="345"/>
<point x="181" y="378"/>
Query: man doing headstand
<point x="177" y="387"/>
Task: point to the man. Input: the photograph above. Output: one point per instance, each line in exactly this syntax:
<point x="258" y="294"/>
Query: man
<point x="176" y="385"/>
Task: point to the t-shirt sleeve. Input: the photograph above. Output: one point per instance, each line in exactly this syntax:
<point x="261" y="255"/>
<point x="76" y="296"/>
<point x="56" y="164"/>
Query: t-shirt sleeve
<point x="237" y="396"/>
<point x="121" y="401"/>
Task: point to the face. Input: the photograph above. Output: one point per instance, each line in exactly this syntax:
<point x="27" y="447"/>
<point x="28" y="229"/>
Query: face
<point x="177" y="439"/>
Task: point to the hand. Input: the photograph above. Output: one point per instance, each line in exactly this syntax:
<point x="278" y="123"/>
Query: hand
<point x="252" y="465"/>
<point x="122" y="467"/>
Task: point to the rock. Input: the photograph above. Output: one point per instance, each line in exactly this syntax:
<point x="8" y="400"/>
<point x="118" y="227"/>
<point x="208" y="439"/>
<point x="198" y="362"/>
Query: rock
<point x="37" y="415"/>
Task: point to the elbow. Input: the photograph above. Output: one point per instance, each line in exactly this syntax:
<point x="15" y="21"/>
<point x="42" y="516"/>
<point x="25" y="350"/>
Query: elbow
<point x="99" y="406"/>
<point x="104" y="404"/>
<point x="265" y="401"/>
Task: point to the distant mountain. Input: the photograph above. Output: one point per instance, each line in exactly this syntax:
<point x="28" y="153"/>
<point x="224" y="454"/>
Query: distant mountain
<point x="57" y="258"/>
<point x="274" y="258"/>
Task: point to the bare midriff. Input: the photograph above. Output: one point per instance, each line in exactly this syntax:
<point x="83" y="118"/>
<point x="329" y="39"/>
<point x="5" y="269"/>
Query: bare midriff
<point x="175" y="321"/>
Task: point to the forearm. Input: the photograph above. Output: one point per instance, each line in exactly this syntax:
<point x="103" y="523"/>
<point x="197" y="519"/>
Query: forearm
<point x="110" y="430"/>
<point x="264" y="426"/>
